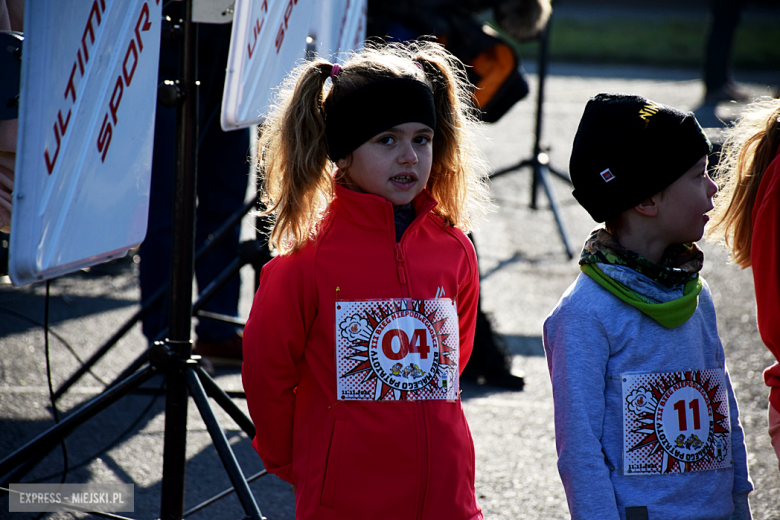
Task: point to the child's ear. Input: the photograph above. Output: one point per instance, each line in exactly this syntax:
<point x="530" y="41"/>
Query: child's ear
<point x="343" y="164"/>
<point x="648" y="208"/>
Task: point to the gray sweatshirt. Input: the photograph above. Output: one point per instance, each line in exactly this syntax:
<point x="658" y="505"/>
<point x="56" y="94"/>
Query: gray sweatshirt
<point x="640" y="410"/>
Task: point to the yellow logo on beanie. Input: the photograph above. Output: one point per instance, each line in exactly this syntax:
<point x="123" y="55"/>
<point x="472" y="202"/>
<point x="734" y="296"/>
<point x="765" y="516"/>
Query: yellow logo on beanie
<point x="648" y="111"/>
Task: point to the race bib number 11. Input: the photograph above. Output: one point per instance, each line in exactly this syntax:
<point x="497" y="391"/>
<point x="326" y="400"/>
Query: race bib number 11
<point x="390" y="350"/>
<point x="675" y="422"/>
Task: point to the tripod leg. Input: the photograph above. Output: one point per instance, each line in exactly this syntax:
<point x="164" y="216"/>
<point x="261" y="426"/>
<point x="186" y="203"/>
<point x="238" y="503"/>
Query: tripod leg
<point x="174" y="445"/>
<point x="48" y="439"/>
<point x="561" y="175"/>
<point x="138" y="363"/>
<point x="214" y="286"/>
<point x="543" y="175"/>
<point x="231" y="270"/>
<point x="207" y="246"/>
<point x="223" y="447"/>
<point x="227" y="404"/>
<point x="99" y="353"/>
<point x="534" y="187"/>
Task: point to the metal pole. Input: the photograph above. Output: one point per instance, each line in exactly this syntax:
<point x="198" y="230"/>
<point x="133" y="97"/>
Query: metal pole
<point x="542" y="73"/>
<point x="182" y="270"/>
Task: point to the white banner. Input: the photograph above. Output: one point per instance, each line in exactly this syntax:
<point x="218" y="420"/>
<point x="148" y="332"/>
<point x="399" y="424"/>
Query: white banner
<point x="270" y="37"/>
<point x="86" y="125"/>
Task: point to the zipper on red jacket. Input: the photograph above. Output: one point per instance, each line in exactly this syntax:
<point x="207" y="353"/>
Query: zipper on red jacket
<point x="399" y="257"/>
<point x="419" y="405"/>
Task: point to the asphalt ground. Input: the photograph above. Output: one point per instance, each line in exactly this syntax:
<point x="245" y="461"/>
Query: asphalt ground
<point x="524" y="271"/>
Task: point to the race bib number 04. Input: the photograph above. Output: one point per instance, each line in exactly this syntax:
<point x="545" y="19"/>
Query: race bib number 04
<point x="675" y="422"/>
<point x="389" y="350"/>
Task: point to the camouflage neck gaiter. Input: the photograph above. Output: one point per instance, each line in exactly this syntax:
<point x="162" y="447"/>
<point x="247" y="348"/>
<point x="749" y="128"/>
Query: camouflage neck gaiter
<point x="680" y="263"/>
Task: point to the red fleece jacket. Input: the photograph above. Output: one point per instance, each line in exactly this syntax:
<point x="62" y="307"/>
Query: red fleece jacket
<point x="361" y="459"/>
<point x="765" y="259"/>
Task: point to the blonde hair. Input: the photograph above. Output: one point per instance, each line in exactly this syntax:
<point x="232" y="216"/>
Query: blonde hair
<point x="752" y="144"/>
<point x="295" y="171"/>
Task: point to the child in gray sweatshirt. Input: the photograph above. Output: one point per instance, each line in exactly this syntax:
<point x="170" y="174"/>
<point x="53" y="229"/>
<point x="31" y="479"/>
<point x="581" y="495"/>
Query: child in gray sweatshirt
<point x="646" y="422"/>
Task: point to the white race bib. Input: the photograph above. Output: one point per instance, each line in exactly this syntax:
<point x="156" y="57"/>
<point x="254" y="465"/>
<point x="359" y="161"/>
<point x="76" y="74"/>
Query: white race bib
<point x="675" y="422"/>
<point x="389" y="350"/>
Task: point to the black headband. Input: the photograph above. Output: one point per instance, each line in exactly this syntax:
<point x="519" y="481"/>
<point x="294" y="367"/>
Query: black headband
<point x="362" y="114"/>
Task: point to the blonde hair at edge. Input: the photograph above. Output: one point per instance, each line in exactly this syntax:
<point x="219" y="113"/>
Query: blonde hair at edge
<point x="750" y="148"/>
<point x="296" y="175"/>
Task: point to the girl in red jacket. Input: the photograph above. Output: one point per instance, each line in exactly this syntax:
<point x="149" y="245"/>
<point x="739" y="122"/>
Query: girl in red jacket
<point x="747" y="215"/>
<point x="365" y="319"/>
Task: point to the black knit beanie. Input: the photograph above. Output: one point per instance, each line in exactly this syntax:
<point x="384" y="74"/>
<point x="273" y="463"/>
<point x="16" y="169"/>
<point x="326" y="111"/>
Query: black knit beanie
<point x="629" y="148"/>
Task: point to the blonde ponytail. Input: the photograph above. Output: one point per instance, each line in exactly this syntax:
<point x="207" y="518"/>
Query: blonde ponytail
<point x="293" y="161"/>
<point x="751" y="146"/>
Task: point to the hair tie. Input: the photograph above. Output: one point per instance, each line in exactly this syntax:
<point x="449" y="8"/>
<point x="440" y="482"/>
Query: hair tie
<point x="335" y="69"/>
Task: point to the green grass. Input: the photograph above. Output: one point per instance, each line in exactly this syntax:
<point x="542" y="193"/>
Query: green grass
<point x="676" y="43"/>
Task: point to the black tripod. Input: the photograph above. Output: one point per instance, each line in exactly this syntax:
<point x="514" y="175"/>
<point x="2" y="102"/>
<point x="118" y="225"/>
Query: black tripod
<point x="253" y="252"/>
<point x="540" y="161"/>
<point x="172" y="357"/>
